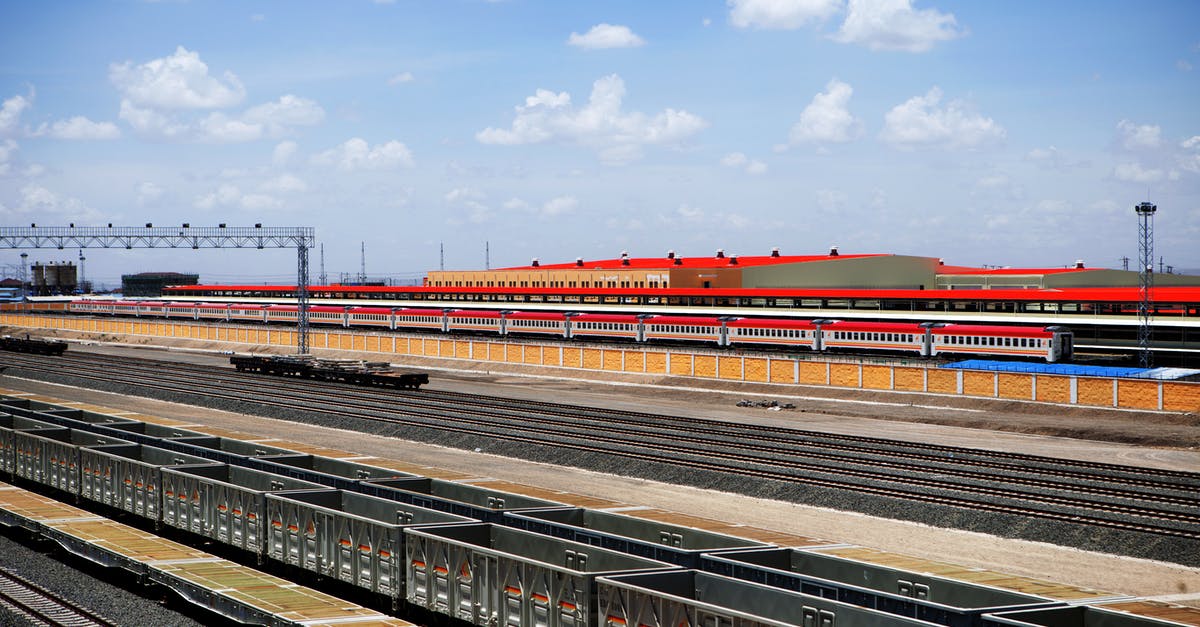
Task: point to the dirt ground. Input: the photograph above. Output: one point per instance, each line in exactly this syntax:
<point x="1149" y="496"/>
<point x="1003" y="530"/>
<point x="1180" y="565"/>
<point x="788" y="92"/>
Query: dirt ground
<point x="1162" y="440"/>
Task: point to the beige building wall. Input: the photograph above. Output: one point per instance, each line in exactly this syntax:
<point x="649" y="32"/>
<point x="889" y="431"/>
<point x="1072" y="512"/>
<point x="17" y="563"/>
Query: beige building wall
<point x="883" y="271"/>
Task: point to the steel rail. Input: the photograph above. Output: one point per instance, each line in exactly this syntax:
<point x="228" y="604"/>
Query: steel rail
<point x="487" y="429"/>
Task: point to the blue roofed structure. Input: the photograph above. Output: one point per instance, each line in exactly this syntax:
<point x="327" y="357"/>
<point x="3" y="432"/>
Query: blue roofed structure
<point x="1080" y="370"/>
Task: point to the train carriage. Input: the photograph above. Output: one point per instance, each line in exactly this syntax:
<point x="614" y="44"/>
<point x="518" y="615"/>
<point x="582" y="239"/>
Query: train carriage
<point x="1050" y="343"/>
<point x="873" y="336"/>
<point x="756" y="332"/>
<point x="248" y="313"/>
<point x="471" y="321"/>
<point x="212" y="311"/>
<point x="618" y="326"/>
<point x="685" y="329"/>
<point x="185" y="311"/>
<point x="369" y="317"/>
<point x="543" y="323"/>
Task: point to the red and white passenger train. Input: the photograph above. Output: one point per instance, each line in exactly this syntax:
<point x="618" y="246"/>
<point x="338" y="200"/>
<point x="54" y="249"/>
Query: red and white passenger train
<point x="926" y="339"/>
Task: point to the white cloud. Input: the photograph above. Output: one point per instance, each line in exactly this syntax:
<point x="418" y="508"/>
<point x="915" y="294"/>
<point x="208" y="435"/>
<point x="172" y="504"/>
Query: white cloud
<point x="993" y="180"/>
<point x="689" y="213"/>
<point x="178" y="81"/>
<point x="1190" y="161"/>
<point x="740" y="160"/>
<point x="1139" y="136"/>
<point x="10" y="113"/>
<point x="50" y="206"/>
<point x="8" y="152"/>
<point x="780" y="14"/>
<point x="1135" y="173"/>
<point x="559" y="206"/>
<point x="1183" y="66"/>
<point x="79" y="127"/>
<point x="285" y="184"/>
<point x="357" y="154"/>
<point x="601" y="125"/>
<point x="733" y="160"/>
<point x="919" y="122"/>
<point x="260" y="201"/>
<point x="158" y="97"/>
<point x="515" y="204"/>
<point x="895" y="25"/>
<point x="827" y="118"/>
<point x="276" y="118"/>
<point x="148" y="193"/>
<point x="830" y="199"/>
<point x="463" y="194"/>
<point x="151" y="123"/>
<point x="403" y="77"/>
<point x="220" y="128"/>
<point x="230" y="196"/>
<point x="283" y="152"/>
<point x="603" y="36"/>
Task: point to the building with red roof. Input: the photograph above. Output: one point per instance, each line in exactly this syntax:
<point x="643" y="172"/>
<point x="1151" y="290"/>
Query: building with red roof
<point x="831" y="270"/>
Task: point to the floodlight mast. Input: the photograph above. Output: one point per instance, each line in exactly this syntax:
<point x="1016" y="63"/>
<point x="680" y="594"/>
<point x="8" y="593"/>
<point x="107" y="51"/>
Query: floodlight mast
<point x="1145" y="212"/>
<point x="128" y="237"/>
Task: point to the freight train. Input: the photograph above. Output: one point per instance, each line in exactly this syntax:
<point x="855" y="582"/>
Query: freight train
<point x="469" y="551"/>
<point x="927" y="339"/>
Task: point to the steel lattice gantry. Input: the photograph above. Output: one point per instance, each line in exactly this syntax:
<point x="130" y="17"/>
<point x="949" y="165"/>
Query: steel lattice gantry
<point x="299" y="237"/>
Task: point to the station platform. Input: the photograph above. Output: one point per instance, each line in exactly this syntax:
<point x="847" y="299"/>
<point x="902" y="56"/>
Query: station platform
<point x="237" y="592"/>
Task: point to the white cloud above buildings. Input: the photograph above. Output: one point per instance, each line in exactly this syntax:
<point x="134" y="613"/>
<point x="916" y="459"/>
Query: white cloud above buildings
<point x="618" y="136"/>
<point x="355" y="154"/>
<point x="740" y="161"/>
<point x="827" y="119"/>
<point x="79" y="127"/>
<point x="921" y="122"/>
<point x="888" y="25"/>
<point x="603" y="36"/>
<point x="166" y="99"/>
<point x="895" y="25"/>
<point x="10" y="114"/>
<point x="780" y="14"/>
<point x="1136" y="137"/>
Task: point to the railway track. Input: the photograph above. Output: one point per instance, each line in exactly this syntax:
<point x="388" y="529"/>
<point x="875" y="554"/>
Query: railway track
<point x="38" y="606"/>
<point x="581" y="429"/>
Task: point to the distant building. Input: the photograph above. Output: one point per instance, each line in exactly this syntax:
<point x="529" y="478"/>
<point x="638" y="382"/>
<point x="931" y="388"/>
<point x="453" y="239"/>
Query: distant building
<point x="51" y="279"/>
<point x="152" y="283"/>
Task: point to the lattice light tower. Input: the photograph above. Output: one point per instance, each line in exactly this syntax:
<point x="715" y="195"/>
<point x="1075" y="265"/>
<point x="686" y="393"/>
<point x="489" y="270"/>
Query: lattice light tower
<point x="299" y="237"/>
<point x="1145" y="212"/>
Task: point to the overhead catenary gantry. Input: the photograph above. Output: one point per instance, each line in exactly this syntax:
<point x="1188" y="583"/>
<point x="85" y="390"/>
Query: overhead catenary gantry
<point x="186" y="236"/>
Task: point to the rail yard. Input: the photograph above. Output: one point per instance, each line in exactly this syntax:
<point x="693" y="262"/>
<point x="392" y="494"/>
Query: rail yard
<point x="1145" y="510"/>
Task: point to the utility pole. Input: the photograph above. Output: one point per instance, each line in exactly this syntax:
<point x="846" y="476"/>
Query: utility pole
<point x="487" y="255"/>
<point x="442" y="256"/>
<point x="362" y="272"/>
<point x="324" y="278"/>
<point x="1145" y="212"/>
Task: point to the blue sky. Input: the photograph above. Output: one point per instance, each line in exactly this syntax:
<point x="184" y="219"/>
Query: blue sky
<point x="1009" y="133"/>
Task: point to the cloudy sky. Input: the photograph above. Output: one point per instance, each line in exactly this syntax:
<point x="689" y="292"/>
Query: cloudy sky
<point x="1014" y="133"/>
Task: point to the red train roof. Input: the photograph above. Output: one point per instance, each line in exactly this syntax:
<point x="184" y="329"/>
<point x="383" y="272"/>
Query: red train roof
<point x="556" y="316"/>
<point x="1077" y="294"/>
<point x="995" y="330"/>
<point x="603" y="317"/>
<point x="685" y="320"/>
<point x="762" y="323"/>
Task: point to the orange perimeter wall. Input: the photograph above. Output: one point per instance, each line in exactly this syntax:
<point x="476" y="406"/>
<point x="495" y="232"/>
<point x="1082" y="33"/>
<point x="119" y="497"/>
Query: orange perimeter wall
<point x="704" y="364"/>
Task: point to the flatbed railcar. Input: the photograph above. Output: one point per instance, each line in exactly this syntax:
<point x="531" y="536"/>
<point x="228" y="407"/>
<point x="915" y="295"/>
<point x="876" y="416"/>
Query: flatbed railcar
<point x="32" y="345"/>
<point x="924" y="339"/>
<point x="328" y="370"/>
